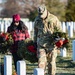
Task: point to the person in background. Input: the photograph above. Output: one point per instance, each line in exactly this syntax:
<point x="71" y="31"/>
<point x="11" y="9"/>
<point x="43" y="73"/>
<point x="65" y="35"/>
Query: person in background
<point x="19" y="32"/>
<point x="46" y="24"/>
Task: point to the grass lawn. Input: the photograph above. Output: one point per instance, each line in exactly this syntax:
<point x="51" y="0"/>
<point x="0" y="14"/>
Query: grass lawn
<point x="65" y="65"/>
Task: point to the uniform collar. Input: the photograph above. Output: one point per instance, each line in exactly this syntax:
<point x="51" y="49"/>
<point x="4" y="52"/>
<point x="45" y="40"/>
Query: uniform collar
<point x="46" y="16"/>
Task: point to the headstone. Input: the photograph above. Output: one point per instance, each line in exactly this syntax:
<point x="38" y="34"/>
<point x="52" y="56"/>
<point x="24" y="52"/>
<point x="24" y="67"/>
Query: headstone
<point x="63" y="52"/>
<point x="38" y="71"/>
<point x="73" y="48"/>
<point x="70" y="31"/>
<point x="7" y="65"/>
<point x="63" y="27"/>
<point x="21" y="68"/>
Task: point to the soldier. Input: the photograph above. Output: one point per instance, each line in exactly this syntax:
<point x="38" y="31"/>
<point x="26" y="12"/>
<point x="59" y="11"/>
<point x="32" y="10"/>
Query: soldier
<point x="44" y="26"/>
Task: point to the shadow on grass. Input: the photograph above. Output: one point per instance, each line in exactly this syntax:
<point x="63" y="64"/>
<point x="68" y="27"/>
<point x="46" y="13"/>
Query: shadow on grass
<point x="64" y="74"/>
<point x="1" y="69"/>
<point x="56" y="74"/>
<point x="65" y="62"/>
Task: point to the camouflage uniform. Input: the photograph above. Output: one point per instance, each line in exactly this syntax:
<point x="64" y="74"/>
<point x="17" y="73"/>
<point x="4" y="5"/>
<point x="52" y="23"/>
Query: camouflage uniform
<point x="43" y="28"/>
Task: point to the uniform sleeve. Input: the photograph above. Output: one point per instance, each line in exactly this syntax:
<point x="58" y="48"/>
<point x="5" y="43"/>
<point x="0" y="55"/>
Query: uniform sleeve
<point x="58" y="26"/>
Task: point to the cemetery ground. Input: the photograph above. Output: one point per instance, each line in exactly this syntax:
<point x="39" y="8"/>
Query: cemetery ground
<point x="65" y="65"/>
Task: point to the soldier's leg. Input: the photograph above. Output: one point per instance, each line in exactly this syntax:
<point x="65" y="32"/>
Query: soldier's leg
<point x="52" y="62"/>
<point x="42" y="60"/>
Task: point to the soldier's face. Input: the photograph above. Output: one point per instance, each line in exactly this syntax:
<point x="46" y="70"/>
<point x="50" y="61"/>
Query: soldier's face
<point x="41" y="10"/>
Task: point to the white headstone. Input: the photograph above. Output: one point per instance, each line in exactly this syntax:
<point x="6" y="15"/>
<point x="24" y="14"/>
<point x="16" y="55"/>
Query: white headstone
<point x="7" y="65"/>
<point x="63" y="52"/>
<point x="74" y="26"/>
<point x="63" y="27"/>
<point x="73" y="48"/>
<point x="21" y="68"/>
<point x="2" y="26"/>
<point x="38" y="71"/>
<point x="70" y="31"/>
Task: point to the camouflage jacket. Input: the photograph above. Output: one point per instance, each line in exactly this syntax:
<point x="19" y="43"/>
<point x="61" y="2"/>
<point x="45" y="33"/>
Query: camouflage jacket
<point x="43" y="28"/>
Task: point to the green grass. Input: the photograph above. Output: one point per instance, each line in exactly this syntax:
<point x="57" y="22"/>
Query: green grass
<point x="65" y="62"/>
<point x="65" y="65"/>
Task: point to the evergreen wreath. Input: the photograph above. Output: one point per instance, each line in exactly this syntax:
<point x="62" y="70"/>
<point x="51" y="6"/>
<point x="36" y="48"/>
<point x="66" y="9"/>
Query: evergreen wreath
<point x="27" y="49"/>
<point x="61" y="39"/>
<point x="5" y="42"/>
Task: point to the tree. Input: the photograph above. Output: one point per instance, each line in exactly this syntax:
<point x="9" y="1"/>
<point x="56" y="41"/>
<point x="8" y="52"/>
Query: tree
<point x="57" y="8"/>
<point x="70" y="10"/>
<point x="30" y="7"/>
<point x="26" y="8"/>
<point x="10" y="8"/>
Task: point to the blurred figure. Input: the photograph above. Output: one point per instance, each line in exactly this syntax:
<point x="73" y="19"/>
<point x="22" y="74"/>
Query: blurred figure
<point x="44" y="26"/>
<point x="19" y="32"/>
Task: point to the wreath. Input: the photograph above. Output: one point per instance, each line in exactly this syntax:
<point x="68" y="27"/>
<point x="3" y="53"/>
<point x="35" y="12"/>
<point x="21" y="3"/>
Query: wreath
<point x="61" y="40"/>
<point x="27" y="49"/>
<point x="5" y="42"/>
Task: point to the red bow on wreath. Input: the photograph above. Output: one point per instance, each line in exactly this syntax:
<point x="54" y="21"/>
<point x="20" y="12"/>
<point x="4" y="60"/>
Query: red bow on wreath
<point x="61" y="43"/>
<point x="5" y="36"/>
<point x="31" y="49"/>
<point x="65" y="41"/>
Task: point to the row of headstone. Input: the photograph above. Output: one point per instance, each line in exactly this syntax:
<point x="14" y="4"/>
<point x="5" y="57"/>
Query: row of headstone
<point x="21" y="67"/>
<point x="68" y="27"/>
<point x="5" y="22"/>
<point x="4" y="25"/>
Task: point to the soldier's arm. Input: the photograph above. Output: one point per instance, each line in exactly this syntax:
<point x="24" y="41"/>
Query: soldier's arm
<point x="57" y="25"/>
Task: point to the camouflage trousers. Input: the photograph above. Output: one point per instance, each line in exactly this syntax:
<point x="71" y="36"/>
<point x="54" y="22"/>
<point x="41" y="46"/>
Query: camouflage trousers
<point x="48" y="59"/>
